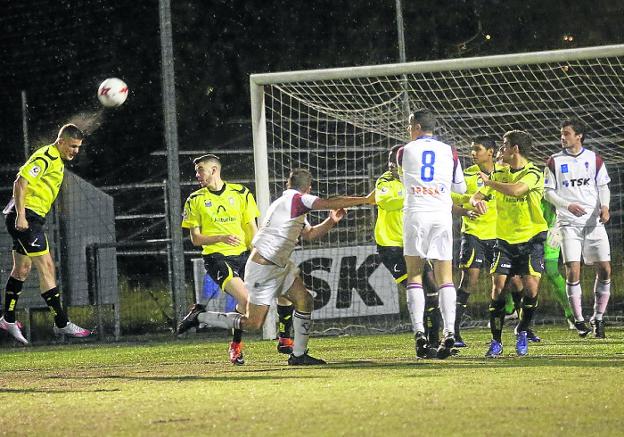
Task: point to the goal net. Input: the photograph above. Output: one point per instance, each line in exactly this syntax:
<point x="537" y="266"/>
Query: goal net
<point x="340" y="123"/>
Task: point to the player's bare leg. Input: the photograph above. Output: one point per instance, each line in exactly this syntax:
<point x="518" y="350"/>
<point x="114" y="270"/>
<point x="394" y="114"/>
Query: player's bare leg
<point x="497" y="314"/>
<point x="529" y="306"/>
<point x="517" y="288"/>
<point x="602" y="292"/>
<point x="251" y="321"/>
<point x="285" y="310"/>
<point x="513" y="295"/>
<point x="50" y="293"/>
<point x="467" y="285"/>
<point x="416" y="301"/>
<point x="447" y="296"/>
<point x="432" y="317"/>
<point x="302" y="323"/>
<point x="21" y="268"/>
<point x="575" y="293"/>
<point x="235" y="287"/>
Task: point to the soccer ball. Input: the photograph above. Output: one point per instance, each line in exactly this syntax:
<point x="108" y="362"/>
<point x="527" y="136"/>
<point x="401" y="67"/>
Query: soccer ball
<point x="112" y="92"/>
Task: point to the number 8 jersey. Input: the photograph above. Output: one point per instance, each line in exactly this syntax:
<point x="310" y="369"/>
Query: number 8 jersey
<point x="430" y="170"/>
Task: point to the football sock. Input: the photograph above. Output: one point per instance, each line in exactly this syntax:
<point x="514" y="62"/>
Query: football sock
<point x="529" y="305"/>
<point x="11" y="294"/>
<point x="285" y="313"/>
<point x="516" y="296"/>
<point x="497" y="317"/>
<point x="302" y="323"/>
<point x="432" y="318"/>
<point x="574" y="296"/>
<point x="462" y="303"/>
<point x="558" y="284"/>
<point x="237" y="334"/>
<point x="221" y="320"/>
<point x="416" y="305"/>
<point x="52" y="298"/>
<point x="448" y="304"/>
<point x="602" y="291"/>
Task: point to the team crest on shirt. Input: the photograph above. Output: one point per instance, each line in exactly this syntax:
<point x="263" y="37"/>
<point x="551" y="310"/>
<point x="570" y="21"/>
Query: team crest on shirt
<point x="208" y="203"/>
<point x="231" y="199"/>
<point x="564" y="168"/>
<point x="34" y="172"/>
<point x="479" y="182"/>
<point x="384" y="189"/>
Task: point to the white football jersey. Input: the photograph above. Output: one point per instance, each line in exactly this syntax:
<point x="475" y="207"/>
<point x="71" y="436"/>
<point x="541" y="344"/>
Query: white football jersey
<point x="430" y="169"/>
<point x="576" y="179"/>
<point x="280" y="231"/>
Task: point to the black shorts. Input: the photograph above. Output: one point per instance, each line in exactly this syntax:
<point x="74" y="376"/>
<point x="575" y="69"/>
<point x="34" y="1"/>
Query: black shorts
<point x="475" y="253"/>
<point x="392" y="258"/>
<point x="31" y="242"/>
<point x="519" y="259"/>
<point x="222" y="268"/>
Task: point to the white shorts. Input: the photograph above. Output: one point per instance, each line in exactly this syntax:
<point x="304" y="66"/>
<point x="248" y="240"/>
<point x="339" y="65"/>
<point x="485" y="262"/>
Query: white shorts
<point x="266" y="282"/>
<point x="428" y="235"/>
<point x="590" y="242"/>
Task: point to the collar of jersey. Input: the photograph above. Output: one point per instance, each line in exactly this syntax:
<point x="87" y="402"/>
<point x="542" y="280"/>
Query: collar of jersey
<point x="54" y="151"/>
<point x="511" y="170"/>
<point x="426" y="137"/>
<point x="493" y="169"/>
<point x="218" y="192"/>
<point x="574" y="156"/>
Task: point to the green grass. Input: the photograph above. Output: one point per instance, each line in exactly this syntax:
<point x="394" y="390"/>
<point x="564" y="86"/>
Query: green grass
<point x="372" y="386"/>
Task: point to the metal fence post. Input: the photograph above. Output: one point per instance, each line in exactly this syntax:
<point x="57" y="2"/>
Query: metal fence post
<point x="178" y="285"/>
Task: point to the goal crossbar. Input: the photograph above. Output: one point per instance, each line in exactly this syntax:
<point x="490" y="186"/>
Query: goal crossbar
<point x="505" y="60"/>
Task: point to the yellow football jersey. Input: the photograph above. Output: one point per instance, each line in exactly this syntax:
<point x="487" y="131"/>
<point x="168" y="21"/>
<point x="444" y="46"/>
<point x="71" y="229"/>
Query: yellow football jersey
<point x="225" y="212"/>
<point x="389" y="199"/>
<point x="484" y="226"/>
<point x="44" y="172"/>
<point x="519" y="218"/>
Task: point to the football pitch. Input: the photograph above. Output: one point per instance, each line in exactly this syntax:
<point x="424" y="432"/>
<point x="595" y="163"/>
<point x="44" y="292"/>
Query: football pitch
<point x="373" y="385"/>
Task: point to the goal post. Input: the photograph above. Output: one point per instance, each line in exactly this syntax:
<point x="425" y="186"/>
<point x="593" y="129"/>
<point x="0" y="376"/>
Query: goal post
<point x="340" y="122"/>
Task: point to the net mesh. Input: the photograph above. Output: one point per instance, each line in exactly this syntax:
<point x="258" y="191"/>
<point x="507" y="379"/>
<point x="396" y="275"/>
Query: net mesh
<point x="479" y="101"/>
<point x="341" y="130"/>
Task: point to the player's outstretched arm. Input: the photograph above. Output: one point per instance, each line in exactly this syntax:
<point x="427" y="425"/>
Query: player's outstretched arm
<point x="317" y="231"/>
<point x="343" y="202"/>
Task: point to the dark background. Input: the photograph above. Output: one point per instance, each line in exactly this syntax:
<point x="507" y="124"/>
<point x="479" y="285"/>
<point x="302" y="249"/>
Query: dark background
<point x="59" y="51"/>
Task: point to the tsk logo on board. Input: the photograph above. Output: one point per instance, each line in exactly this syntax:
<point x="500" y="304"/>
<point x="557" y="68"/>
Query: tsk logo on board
<point x="347" y="282"/>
